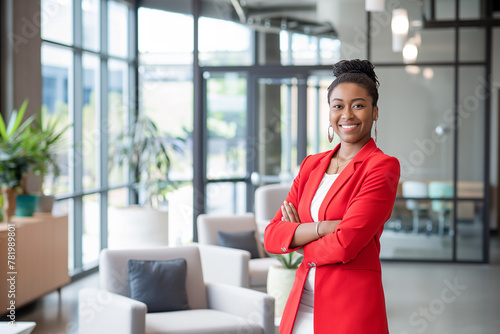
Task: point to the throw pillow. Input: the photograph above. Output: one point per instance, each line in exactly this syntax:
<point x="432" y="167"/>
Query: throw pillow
<point x="161" y="285"/>
<point x="241" y="240"/>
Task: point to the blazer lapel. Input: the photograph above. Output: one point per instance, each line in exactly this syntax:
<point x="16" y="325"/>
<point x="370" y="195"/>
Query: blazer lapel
<point x="344" y="176"/>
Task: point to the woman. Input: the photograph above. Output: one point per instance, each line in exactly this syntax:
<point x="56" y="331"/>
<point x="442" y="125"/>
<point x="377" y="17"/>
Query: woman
<point x="336" y="212"/>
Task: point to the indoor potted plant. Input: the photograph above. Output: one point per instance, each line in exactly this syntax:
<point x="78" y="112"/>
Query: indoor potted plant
<point x="18" y="152"/>
<point x="48" y="134"/>
<point x="145" y="150"/>
<point x="280" y="279"/>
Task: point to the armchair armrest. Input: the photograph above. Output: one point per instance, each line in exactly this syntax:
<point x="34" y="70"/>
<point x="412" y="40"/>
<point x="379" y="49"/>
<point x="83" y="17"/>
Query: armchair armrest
<point x="225" y="265"/>
<point x="255" y="306"/>
<point x="100" y="311"/>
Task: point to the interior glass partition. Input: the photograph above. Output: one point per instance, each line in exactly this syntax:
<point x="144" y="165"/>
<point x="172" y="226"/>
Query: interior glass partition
<point x="435" y="107"/>
<point x="415" y="126"/>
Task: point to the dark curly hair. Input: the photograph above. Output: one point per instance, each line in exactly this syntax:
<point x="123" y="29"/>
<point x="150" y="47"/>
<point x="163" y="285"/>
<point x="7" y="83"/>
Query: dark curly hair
<point x="356" y="71"/>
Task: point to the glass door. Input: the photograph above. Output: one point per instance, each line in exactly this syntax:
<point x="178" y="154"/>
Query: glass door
<point x="226" y="146"/>
<point x="252" y="136"/>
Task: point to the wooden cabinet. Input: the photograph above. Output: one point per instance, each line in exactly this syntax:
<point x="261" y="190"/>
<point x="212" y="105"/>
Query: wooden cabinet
<point x="41" y="258"/>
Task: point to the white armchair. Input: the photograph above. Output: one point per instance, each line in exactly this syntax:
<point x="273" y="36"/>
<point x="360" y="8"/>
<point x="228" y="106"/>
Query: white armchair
<point x="214" y="308"/>
<point x="268" y="200"/>
<point x="245" y="272"/>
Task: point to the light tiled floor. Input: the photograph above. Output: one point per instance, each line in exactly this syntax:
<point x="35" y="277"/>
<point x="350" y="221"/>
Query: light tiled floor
<point x="421" y="298"/>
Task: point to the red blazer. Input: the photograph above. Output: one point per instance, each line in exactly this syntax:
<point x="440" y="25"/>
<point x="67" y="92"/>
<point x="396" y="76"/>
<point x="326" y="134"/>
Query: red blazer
<point x="348" y="293"/>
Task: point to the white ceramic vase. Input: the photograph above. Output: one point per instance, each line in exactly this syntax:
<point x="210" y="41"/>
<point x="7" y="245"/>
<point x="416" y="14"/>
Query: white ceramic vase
<point x="279" y="284"/>
<point x="137" y="227"/>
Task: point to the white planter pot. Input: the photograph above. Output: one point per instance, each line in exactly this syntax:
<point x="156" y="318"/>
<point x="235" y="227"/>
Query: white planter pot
<point x="279" y="284"/>
<point x="137" y="227"/>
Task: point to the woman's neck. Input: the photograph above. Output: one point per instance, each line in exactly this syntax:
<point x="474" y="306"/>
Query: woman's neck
<point x="347" y="151"/>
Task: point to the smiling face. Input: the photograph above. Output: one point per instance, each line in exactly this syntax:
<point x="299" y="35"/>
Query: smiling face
<point x="352" y="113"/>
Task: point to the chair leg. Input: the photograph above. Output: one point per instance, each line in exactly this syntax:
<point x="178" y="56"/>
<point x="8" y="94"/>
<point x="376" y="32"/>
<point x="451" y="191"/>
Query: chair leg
<point x="441" y="223"/>
<point x="415" y="221"/>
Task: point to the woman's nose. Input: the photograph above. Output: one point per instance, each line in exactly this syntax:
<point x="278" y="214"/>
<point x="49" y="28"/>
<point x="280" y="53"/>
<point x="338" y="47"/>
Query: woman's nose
<point x="347" y="113"/>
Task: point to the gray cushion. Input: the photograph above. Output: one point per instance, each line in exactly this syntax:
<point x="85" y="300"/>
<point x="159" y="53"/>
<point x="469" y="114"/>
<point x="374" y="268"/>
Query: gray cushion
<point x="161" y="285"/>
<point x="241" y="240"/>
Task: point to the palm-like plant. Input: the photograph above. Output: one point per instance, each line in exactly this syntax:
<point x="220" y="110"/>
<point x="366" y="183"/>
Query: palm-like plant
<point x="16" y="155"/>
<point x="145" y="150"/>
<point x="290" y="260"/>
<point x="47" y="135"/>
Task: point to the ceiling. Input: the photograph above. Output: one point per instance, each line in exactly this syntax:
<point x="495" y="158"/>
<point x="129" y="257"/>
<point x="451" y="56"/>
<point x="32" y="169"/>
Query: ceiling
<point x="293" y="15"/>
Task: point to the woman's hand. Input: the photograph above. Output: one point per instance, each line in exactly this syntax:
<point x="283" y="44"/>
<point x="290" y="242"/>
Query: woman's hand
<point x="289" y="213"/>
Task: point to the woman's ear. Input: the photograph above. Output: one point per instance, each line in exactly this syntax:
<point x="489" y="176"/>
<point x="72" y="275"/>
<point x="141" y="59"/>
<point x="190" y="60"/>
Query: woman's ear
<point x="375" y="113"/>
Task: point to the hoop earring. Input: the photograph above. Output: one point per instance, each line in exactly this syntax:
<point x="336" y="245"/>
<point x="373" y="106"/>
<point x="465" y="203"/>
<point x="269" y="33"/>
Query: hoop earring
<point x="375" y="131"/>
<point x="330" y="136"/>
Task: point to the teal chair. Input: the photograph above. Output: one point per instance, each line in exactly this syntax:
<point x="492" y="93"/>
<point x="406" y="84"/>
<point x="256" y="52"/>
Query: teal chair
<point x="444" y="192"/>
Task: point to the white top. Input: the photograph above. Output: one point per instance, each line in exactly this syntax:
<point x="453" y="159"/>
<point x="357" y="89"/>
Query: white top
<point x="324" y="186"/>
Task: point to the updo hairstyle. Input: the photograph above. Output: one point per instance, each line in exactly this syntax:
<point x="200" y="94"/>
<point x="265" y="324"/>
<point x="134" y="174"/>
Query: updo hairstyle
<point x="356" y="71"/>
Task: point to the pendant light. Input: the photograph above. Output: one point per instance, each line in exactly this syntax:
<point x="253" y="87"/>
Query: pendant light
<point x="399" y="26"/>
<point x="374" y="5"/>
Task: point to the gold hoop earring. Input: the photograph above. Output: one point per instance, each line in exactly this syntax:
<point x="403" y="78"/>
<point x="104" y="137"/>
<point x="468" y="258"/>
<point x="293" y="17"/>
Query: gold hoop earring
<point x="330" y="136"/>
<point x="375" y="131"/>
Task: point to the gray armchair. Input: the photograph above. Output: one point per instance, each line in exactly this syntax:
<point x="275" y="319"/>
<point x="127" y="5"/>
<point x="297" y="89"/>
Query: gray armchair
<point x="213" y="308"/>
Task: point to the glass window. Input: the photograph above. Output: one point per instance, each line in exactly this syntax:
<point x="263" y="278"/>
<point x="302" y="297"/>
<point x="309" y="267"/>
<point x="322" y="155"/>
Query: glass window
<point x="118" y="112"/>
<point x="68" y="70"/>
<point x="117" y="29"/>
<point x="304" y="49"/>
<point x="470" y="9"/>
<point x="329" y="51"/>
<point x="419" y="230"/>
<point x="224" y="43"/>
<point x="174" y="48"/>
<point x="422" y="108"/>
<point x="90" y="22"/>
<point x="166" y="95"/>
<point x="318" y="114"/>
<point x="226" y="126"/>
<point x="471" y="109"/>
<point x="180" y="214"/>
<point x="277" y="128"/>
<point x="445" y="10"/>
<point x="470" y="230"/>
<point x="57" y="21"/>
<point x="63" y="208"/>
<point x="91" y="238"/>
<point x="117" y="199"/>
<point x="90" y="124"/>
<point x="472" y="44"/>
<point x="57" y="73"/>
<point x="226" y="198"/>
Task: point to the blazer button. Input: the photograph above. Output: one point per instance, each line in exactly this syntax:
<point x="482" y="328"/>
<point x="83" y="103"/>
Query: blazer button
<point x="309" y="264"/>
<point x="312" y="264"/>
<point x="283" y="249"/>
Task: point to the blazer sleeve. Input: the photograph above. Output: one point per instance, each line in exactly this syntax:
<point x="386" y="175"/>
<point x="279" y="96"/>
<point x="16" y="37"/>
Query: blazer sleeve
<point x="278" y="234"/>
<point x="365" y="215"/>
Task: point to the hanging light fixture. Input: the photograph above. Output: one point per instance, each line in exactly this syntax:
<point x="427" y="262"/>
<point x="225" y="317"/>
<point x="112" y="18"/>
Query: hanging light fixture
<point x="374" y="5"/>
<point x="410" y="52"/>
<point x="399" y="26"/>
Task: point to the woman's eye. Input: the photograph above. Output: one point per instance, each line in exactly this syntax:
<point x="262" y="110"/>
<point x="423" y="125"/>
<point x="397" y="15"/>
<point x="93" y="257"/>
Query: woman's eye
<point x="336" y="106"/>
<point x="357" y="106"/>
